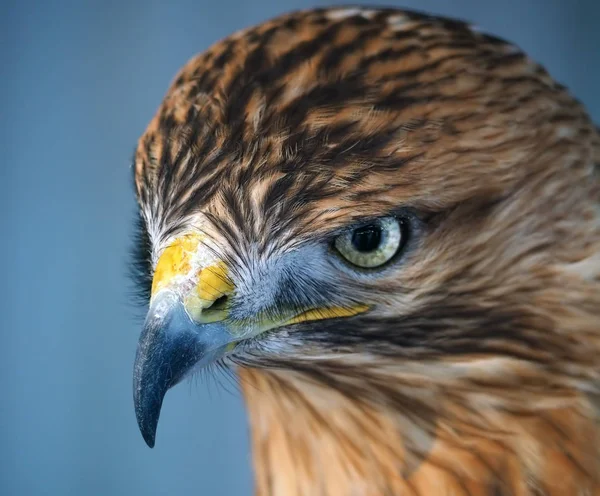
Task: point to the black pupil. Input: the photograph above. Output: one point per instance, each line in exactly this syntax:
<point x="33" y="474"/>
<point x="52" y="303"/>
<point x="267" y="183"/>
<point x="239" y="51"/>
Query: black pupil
<point x="366" y="238"/>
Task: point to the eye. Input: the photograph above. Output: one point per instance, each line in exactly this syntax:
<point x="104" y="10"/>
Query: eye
<point x="372" y="244"/>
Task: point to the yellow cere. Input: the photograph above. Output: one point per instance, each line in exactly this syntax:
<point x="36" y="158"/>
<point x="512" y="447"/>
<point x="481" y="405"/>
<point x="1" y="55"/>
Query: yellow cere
<point x="175" y="261"/>
<point x="213" y="282"/>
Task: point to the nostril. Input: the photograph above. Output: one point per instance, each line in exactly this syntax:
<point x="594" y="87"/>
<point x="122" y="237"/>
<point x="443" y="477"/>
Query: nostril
<point x="207" y="311"/>
<point x="220" y="303"/>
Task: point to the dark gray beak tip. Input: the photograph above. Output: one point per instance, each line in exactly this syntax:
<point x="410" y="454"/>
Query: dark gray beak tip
<point x="151" y="379"/>
<point x="149" y="438"/>
<point x="148" y="394"/>
<point x="147" y="414"/>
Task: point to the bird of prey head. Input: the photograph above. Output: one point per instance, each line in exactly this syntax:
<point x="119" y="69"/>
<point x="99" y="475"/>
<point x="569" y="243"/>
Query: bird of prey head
<point x="388" y="223"/>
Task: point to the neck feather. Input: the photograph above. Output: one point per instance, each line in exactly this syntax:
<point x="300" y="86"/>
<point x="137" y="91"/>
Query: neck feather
<point x="309" y="439"/>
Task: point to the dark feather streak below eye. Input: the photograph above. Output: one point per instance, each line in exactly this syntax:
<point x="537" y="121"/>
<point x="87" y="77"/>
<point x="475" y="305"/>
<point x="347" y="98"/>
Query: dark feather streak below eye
<point x="140" y="267"/>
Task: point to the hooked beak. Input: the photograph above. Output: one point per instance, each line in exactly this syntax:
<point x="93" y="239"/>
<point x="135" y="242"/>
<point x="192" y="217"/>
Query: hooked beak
<point x="171" y="345"/>
<point x="184" y="327"/>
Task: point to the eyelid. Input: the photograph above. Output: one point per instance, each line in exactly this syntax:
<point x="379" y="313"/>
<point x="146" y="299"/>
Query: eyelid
<point x="404" y="216"/>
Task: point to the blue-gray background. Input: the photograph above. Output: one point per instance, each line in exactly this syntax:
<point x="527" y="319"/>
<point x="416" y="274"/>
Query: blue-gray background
<point x="79" y="82"/>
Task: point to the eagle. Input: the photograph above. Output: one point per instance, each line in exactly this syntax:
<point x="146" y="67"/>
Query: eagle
<point x="387" y="224"/>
